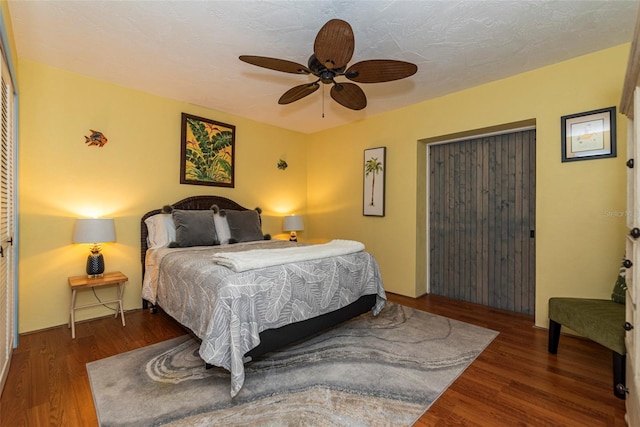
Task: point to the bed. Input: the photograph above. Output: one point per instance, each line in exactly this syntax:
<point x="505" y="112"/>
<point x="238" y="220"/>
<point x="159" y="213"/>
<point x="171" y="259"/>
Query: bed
<point x="243" y="294"/>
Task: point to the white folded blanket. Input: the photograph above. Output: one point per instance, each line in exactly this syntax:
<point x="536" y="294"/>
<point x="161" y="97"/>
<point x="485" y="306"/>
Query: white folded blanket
<point x="258" y="258"/>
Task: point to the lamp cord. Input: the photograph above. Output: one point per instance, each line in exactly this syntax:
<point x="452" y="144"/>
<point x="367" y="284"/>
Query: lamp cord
<point x="100" y="301"/>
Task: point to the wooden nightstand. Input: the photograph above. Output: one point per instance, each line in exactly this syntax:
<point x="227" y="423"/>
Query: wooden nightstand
<point x="83" y="282"/>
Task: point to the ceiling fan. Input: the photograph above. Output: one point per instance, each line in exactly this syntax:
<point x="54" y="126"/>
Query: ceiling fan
<point x="332" y="50"/>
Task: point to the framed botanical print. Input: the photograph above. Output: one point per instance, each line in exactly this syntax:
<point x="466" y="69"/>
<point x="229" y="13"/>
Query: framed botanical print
<point x="207" y="152"/>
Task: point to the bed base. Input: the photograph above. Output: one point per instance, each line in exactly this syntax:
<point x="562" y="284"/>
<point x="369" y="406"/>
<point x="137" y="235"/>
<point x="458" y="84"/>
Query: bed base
<point x="273" y="339"/>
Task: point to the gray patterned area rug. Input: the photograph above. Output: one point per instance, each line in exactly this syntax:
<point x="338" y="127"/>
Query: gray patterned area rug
<point x="369" y="371"/>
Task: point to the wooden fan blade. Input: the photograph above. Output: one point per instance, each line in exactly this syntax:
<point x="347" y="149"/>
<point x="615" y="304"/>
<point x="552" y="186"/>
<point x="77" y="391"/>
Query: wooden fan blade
<point x="298" y="92"/>
<point x="275" y="64"/>
<point x="349" y="95"/>
<point x="334" y="44"/>
<point x="380" y="70"/>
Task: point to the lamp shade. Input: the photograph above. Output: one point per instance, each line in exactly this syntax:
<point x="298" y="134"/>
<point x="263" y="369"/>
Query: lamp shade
<point x="293" y="223"/>
<point x="94" y="230"/>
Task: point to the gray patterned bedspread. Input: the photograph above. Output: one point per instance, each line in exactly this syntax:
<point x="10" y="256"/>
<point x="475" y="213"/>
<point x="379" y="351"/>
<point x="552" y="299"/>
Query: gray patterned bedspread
<point x="227" y="310"/>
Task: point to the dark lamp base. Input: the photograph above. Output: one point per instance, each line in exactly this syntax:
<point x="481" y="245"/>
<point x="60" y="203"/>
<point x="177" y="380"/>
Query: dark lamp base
<point x="95" y="266"/>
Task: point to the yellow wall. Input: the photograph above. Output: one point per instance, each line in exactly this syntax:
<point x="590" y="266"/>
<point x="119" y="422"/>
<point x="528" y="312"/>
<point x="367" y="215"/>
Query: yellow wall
<point x="578" y="242"/>
<point x="61" y="178"/>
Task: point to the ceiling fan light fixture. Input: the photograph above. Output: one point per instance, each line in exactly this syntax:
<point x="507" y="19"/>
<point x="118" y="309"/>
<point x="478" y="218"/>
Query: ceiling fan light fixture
<point x="327" y="76"/>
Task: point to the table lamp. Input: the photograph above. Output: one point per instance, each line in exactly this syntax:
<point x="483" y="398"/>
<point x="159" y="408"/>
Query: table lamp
<point x="293" y="223"/>
<point x="94" y="231"/>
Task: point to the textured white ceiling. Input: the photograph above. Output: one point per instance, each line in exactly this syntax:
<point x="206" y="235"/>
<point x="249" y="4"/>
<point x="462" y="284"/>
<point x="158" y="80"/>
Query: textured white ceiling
<point x="188" y="50"/>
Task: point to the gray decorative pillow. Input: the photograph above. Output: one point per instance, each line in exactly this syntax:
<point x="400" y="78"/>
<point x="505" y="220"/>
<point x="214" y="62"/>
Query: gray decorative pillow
<point x="194" y="228"/>
<point x="244" y="225"/>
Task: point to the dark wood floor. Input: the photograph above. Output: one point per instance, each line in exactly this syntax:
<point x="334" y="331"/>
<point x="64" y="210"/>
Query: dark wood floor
<point x="513" y="382"/>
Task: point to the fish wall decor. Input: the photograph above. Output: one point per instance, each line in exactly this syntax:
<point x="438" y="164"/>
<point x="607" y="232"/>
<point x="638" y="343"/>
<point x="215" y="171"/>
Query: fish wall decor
<point x="96" y="138"/>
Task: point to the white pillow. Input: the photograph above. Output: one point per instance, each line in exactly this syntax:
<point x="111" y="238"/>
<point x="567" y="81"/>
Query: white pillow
<point x="162" y="231"/>
<point x="222" y="228"/>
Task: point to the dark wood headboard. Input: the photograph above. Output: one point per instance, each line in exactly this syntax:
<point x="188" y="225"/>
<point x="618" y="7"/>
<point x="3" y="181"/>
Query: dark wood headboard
<point x="190" y="203"/>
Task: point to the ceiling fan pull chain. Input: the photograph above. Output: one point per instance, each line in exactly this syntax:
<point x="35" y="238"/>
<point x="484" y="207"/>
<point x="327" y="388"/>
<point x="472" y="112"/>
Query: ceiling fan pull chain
<point x="323" y="102"/>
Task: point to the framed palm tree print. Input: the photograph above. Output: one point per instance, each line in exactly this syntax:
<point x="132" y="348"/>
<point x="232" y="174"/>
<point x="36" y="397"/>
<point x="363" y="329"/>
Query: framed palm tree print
<point x="207" y="152"/>
<point x="374" y="177"/>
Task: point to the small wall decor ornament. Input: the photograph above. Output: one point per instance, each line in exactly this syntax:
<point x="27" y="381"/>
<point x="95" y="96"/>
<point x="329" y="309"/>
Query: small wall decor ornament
<point x="282" y="165"/>
<point x="96" y="138"/>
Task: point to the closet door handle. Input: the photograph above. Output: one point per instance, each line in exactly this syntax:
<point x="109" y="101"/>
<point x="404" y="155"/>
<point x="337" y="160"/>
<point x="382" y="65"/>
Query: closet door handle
<point x="627" y="326"/>
<point x="635" y="232"/>
<point x="630" y="163"/>
<point x="627" y="263"/>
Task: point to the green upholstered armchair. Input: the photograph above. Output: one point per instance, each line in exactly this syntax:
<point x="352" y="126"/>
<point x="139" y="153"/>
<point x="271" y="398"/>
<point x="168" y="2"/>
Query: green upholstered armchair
<point x="600" y="320"/>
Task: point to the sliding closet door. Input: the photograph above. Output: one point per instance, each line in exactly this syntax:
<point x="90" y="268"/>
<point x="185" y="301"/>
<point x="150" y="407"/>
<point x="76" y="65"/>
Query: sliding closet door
<point x="6" y="220"/>
<point x="481" y="220"/>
